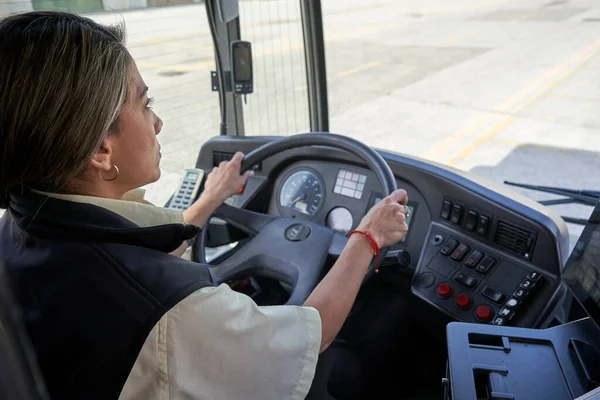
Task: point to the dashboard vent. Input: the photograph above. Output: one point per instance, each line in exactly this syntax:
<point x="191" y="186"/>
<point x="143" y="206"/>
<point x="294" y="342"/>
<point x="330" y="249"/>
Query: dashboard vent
<point x="516" y="240"/>
<point x="220" y="156"/>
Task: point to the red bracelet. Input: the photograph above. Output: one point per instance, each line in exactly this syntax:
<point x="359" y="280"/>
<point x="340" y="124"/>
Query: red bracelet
<point x="374" y="245"/>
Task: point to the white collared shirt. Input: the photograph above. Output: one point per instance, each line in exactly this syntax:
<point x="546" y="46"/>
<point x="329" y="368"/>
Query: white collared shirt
<point x="217" y="343"/>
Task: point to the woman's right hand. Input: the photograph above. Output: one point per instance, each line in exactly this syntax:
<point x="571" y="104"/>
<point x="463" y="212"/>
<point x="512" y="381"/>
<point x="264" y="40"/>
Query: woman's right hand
<point x="334" y="295"/>
<point x="387" y="219"/>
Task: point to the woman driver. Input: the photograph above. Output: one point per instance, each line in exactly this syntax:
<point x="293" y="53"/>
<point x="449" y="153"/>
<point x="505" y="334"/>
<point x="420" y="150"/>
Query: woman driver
<point x="109" y="310"/>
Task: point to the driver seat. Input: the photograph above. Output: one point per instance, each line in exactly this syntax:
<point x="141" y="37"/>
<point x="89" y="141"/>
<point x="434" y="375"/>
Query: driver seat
<point x="19" y="373"/>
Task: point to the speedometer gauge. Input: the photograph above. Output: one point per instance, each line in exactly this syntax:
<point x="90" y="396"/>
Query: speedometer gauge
<point x="302" y="191"/>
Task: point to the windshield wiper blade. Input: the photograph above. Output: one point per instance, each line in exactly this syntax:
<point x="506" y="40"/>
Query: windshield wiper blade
<point x="586" y="197"/>
<point x="578" y="221"/>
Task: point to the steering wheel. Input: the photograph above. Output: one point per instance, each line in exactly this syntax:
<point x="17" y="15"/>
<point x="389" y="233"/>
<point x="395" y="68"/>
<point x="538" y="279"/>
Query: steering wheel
<point x="289" y="250"/>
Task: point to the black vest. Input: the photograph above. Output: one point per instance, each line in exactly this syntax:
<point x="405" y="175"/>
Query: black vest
<point x="91" y="285"/>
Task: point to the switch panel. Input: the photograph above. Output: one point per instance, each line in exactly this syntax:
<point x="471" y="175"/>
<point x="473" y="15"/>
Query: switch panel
<point x="446" y="209"/>
<point x="476" y="221"/>
<point x="471" y="221"/>
<point x="449" y="247"/>
<point x="493" y="294"/>
<point x="466" y="280"/>
<point x="460" y="252"/>
<point x="483" y="225"/>
<point x="456" y="215"/>
<point x="474" y="259"/>
<point x="471" y="281"/>
<point x="485" y="265"/>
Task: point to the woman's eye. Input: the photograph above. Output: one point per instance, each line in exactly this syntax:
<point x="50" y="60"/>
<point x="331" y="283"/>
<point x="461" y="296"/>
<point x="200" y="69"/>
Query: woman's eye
<point x="150" y="103"/>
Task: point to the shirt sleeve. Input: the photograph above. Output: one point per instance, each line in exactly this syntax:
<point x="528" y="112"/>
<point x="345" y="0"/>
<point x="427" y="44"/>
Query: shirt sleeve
<point x="218" y="344"/>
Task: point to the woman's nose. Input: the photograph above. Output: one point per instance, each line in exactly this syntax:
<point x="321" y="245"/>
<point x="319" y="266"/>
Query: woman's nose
<point x="158" y="125"/>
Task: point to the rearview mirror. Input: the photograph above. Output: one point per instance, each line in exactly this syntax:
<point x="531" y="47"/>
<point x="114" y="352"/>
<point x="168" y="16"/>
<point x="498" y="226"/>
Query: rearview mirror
<point x="228" y="10"/>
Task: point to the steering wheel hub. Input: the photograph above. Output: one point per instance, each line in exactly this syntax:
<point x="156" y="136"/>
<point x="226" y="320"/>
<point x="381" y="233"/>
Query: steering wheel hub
<point x="297" y="232"/>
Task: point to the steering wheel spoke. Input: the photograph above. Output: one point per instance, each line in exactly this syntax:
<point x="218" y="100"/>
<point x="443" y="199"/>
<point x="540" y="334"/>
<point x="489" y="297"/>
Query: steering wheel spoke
<point x="338" y="243"/>
<point x="278" y="252"/>
<point x="247" y="221"/>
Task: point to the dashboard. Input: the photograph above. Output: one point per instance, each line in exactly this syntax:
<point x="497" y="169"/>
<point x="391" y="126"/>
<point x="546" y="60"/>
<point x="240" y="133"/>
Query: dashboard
<point x="476" y="252"/>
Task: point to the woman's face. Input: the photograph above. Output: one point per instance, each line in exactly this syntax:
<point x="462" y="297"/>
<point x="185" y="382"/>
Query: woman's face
<point x="134" y="149"/>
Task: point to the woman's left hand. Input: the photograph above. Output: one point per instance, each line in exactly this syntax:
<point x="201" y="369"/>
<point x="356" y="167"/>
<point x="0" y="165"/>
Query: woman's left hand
<point x="225" y="180"/>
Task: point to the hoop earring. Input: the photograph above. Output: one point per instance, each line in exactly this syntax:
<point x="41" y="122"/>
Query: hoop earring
<point x="112" y="179"/>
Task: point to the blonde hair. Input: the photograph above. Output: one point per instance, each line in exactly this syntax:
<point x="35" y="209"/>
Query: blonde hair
<point x="63" y="83"/>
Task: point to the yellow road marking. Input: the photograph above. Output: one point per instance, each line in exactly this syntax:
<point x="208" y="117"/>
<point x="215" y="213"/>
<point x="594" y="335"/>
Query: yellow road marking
<point x="442" y="147"/>
<point x="173" y="38"/>
<point x="465" y="152"/>
<point x="345" y="73"/>
<point x="166" y="39"/>
<point x="265" y="52"/>
<point x="209" y="64"/>
<point x="579" y="60"/>
<point x="360" y="68"/>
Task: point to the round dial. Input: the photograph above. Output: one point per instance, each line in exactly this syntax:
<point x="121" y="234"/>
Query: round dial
<point x="302" y="191"/>
<point x="340" y="220"/>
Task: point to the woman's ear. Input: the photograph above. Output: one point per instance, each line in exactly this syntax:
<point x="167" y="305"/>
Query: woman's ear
<point x="101" y="160"/>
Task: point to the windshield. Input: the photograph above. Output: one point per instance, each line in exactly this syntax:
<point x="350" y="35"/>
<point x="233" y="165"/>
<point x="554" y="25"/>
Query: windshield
<point x="505" y="90"/>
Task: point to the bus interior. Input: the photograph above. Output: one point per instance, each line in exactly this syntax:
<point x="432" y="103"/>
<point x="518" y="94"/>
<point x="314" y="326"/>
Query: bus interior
<point x="482" y="266"/>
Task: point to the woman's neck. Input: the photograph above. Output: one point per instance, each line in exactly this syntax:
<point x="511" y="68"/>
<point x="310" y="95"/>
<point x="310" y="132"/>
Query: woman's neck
<point x="108" y="190"/>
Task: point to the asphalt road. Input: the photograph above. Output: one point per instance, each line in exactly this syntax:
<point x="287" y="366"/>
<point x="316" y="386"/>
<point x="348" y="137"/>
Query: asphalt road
<point x="507" y="90"/>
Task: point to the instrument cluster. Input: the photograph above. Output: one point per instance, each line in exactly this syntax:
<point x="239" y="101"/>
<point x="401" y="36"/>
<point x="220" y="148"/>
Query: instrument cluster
<point x="303" y="193"/>
<point x="335" y="195"/>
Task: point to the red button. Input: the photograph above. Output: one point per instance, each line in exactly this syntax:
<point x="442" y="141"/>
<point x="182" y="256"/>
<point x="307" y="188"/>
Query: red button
<point x="463" y="301"/>
<point x="241" y="190"/>
<point x="444" y="290"/>
<point x="483" y="313"/>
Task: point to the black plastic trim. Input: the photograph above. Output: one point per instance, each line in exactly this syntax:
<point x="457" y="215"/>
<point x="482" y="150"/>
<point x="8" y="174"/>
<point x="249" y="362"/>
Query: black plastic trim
<point x="316" y="70"/>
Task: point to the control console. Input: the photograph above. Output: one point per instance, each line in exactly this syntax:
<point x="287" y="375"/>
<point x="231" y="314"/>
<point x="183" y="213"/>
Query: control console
<point x="473" y="282"/>
<point x="483" y="226"/>
<point x="562" y="362"/>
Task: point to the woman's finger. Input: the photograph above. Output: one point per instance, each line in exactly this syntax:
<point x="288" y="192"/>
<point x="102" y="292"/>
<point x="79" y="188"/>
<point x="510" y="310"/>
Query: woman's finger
<point x="238" y="157"/>
<point x="399" y="196"/>
<point x="401" y="217"/>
